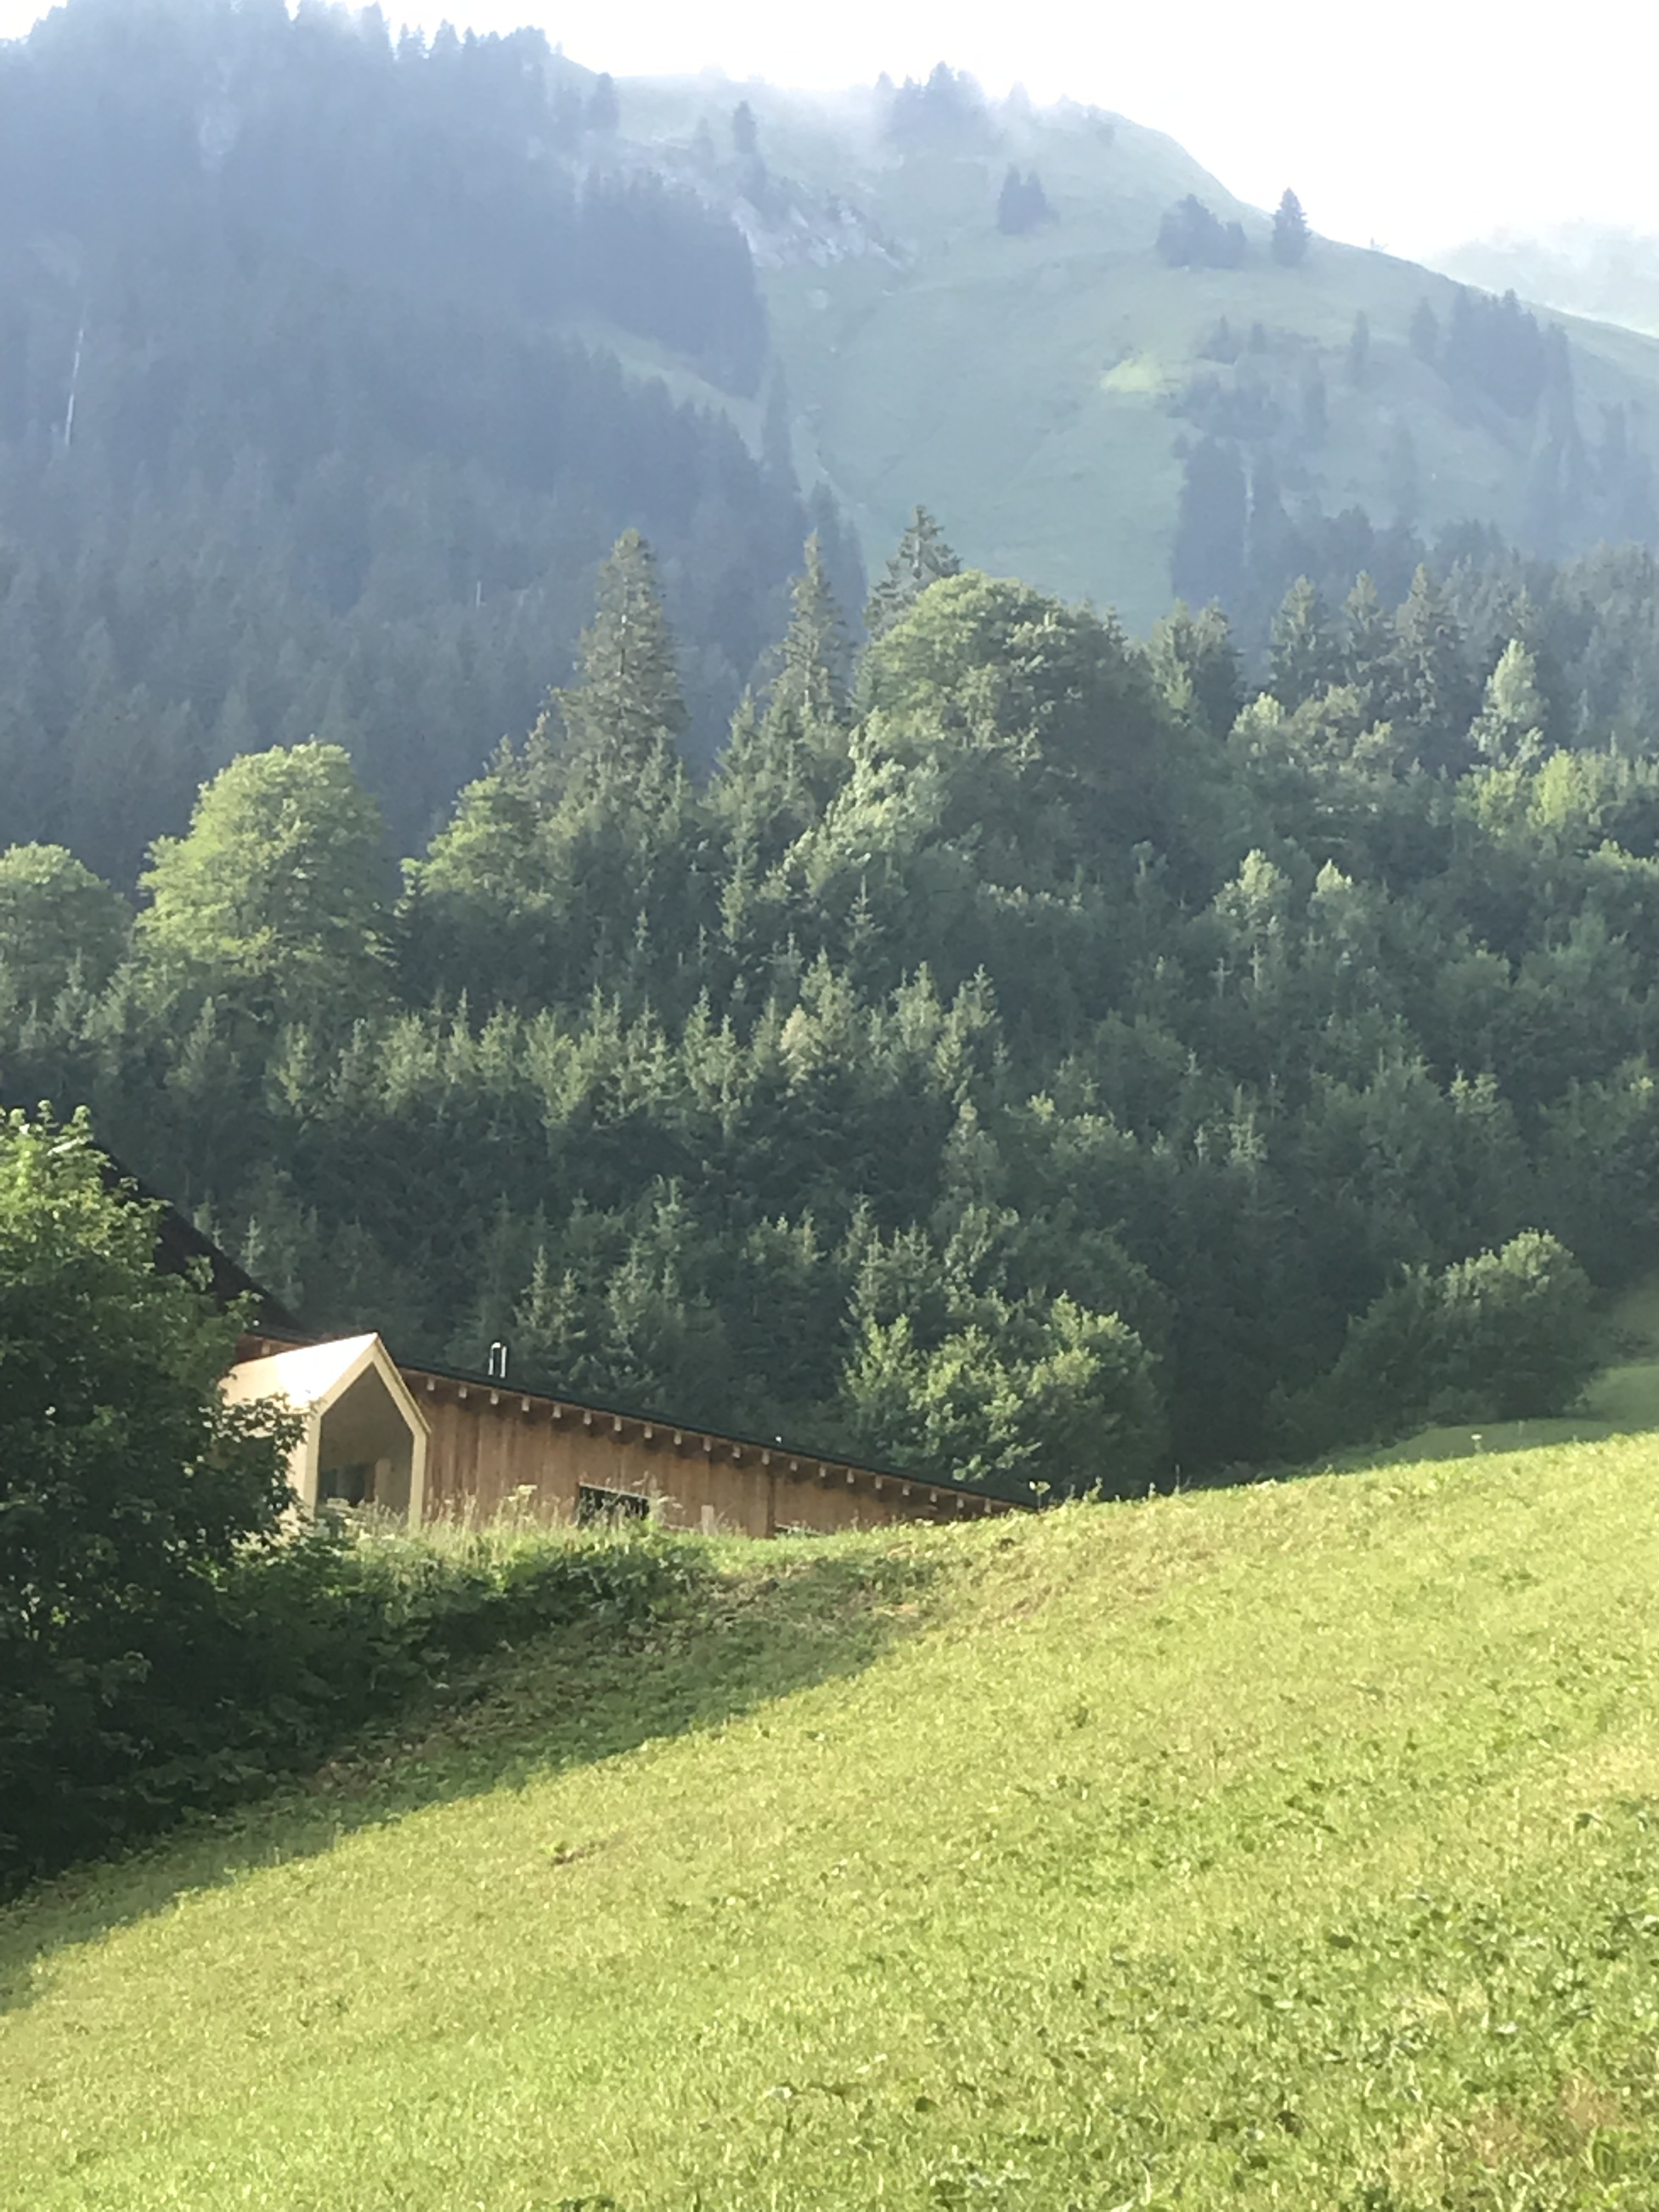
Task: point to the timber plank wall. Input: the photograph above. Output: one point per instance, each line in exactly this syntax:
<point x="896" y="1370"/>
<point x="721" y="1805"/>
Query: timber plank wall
<point x="495" y="1450"/>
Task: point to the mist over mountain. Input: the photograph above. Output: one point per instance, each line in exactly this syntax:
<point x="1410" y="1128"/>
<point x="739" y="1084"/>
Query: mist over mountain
<point x="1106" y="373"/>
<point x="312" y="417"/>
<point x="331" y="363"/>
<point x="1607" y="275"/>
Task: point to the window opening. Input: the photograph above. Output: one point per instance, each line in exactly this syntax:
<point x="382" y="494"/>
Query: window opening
<point x="594" y="1503"/>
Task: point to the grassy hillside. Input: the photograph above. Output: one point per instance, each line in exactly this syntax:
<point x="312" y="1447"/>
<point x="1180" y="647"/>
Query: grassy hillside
<point x="1290" y="1846"/>
<point x="1021" y="386"/>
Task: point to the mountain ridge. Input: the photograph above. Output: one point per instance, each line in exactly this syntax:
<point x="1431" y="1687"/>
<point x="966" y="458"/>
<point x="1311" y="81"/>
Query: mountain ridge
<point x="1030" y="388"/>
<point x="380" y="340"/>
<point x="1595" y="271"/>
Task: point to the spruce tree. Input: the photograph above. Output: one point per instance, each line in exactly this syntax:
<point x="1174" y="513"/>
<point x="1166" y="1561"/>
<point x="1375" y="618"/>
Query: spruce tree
<point x="1431" y="686"/>
<point x="1315" y="407"/>
<point x="1508" y="731"/>
<point x="626" y="706"/>
<point x="1306" y="658"/>
<point x="1290" y="233"/>
<point x="1022" y="203"/>
<point x="1208" y="560"/>
<point x="782" y="769"/>
<point x="1368" y="646"/>
<point x="1359" y="349"/>
<point x="812" y="681"/>
<point x="1403" y="476"/>
<point x="1197" y="667"/>
<point x="603" y="111"/>
<point x="1011" y="204"/>
<point x="923" y="558"/>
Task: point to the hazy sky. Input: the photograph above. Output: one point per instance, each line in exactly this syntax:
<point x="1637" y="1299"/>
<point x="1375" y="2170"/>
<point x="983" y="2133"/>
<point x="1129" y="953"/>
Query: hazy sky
<point x="1418" y="123"/>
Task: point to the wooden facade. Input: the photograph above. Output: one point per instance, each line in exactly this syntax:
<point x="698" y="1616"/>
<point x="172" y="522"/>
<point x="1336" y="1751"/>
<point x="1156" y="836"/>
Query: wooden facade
<point x="494" y="1449"/>
<point x="364" y="1437"/>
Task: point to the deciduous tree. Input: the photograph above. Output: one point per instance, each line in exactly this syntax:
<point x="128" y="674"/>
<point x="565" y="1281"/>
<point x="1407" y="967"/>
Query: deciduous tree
<point x="126" y="1483"/>
<point x="276" y="896"/>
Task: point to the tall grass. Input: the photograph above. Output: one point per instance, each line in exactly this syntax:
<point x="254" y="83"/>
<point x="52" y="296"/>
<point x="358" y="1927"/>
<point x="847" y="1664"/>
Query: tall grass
<point x="1293" y="1846"/>
<point x="296" y="1643"/>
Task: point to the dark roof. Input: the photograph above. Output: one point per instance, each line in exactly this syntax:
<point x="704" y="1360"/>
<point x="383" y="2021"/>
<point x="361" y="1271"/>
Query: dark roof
<point x="181" y="1249"/>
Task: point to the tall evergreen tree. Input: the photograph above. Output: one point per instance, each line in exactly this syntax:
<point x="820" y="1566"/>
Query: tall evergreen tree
<point x="1192" y="236"/>
<point x="1307" y="656"/>
<point x="922" y="558"/>
<point x="838" y="543"/>
<point x="1198" y="668"/>
<point x="1290" y="232"/>
<point x="1431" y="676"/>
<point x="1404" y="478"/>
<point x="1359" y="349"/>
<point x="1207" y="561"/>
<point x="1022" y="203"/>
<point x="1315" y="407"/>
<point x="1368" y="644"/>
<point x="811" y="681"/>
<point x="604" y="112"/>
<point x="626" y="706"/>
<point x="1508" y="731"/>
<point x="782" y="769"/>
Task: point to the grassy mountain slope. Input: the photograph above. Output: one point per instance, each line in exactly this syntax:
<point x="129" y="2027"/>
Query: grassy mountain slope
<point x="1285" y="1846"/>
<point x="1022" y="386"/>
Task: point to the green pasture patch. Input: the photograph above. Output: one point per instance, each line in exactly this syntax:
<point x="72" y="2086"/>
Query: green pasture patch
<point x="1291" y="1846"/>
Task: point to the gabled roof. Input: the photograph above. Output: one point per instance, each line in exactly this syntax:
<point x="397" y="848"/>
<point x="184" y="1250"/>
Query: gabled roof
<point x="315" y="1376"/>
<point x="1001" y="1490"/>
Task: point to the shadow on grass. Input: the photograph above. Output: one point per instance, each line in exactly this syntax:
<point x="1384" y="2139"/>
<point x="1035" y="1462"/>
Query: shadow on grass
<point x="749" y="1634"/>
<point x="1485" y="1440"/>
<point x="1491" y="1439"/>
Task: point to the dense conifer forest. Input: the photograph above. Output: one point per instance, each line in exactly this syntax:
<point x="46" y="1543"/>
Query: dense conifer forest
<point x="1030" y="1048"/>
<point x="308" y="423"/>
<point x="945" y="1028"/>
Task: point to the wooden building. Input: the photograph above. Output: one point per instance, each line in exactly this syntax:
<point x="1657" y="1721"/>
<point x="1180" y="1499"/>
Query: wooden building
<point x="490" y="1449"/>
<point x="432" y="1443"/>
<point x="365" y="1438"/>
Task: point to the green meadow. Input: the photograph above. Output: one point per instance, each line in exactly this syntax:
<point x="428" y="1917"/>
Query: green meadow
<point x="1025" y="388"/>
<point x="1291" y="1845"/>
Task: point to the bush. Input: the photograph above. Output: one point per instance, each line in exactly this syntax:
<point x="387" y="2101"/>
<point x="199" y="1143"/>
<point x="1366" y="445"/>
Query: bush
<point x="1060" y="1396"/>
<point x="127" y="1485"/>
<point x="165" y="1646"/>
<point x="344" y="1624"/>
<point x="300" y="1642"/>
<point x="1504" y="1336"/>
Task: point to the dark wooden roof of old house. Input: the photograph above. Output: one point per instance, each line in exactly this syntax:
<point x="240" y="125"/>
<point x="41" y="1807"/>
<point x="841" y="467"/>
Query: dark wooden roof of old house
<point x="182" y="1249"/>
